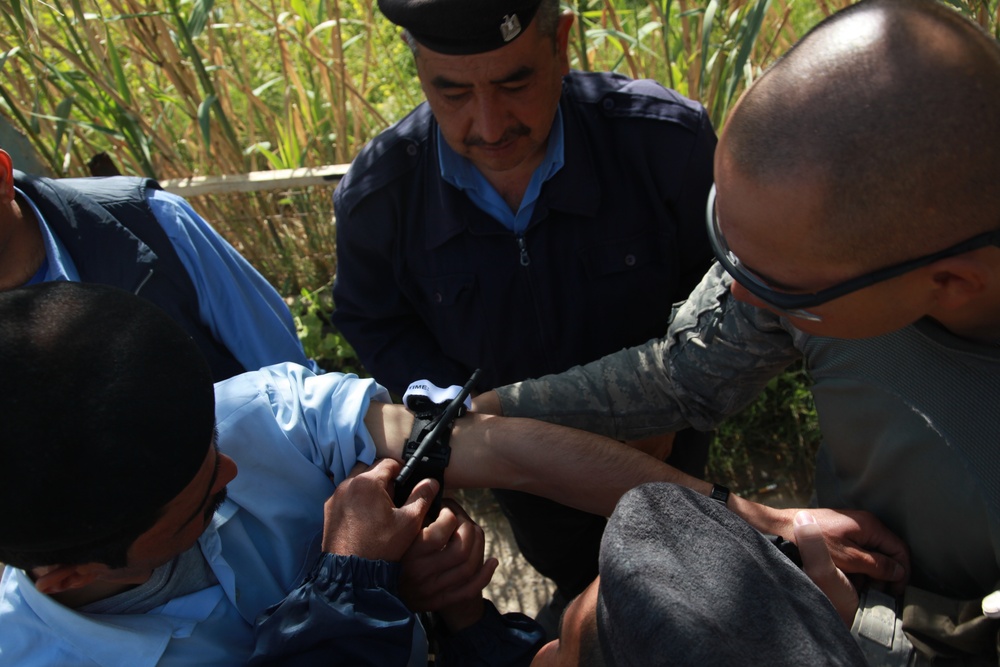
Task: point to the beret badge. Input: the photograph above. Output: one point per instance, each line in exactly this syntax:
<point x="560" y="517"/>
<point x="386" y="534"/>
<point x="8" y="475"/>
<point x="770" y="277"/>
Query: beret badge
<point x="510" y="27"/>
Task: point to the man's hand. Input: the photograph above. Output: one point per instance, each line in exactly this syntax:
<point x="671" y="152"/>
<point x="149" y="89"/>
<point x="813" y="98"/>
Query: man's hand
<point x="361" y="519"/>
<point x="444" y="569"/>
<point x="860" y="544"/>
<point x="818" y="565"/>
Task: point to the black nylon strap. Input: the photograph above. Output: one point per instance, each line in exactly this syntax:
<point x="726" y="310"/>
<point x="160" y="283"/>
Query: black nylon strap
<point x="434" y="460"/>
<point x="430" y="438"/>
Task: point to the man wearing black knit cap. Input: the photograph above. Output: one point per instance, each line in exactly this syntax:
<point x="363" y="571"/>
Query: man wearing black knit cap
<point x="525" y="219"/>
<point x="684" y="581"/>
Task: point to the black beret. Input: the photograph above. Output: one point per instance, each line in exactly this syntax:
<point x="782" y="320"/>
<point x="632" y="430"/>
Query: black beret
<point x="687" y="581"/>
<point x="461" y="27"/>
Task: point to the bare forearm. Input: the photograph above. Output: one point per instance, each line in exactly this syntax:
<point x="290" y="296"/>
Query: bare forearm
<point x="572" y="467"/>
<point x="576" y="468"/>
<point x="487" y="403"/>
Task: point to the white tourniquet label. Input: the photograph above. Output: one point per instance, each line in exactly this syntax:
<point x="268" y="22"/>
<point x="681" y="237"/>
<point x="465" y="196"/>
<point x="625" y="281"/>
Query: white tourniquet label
<point x="434" y="393"/>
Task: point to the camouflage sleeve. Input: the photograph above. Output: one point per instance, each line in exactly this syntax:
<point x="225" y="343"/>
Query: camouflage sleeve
<point x="716" y="357"/>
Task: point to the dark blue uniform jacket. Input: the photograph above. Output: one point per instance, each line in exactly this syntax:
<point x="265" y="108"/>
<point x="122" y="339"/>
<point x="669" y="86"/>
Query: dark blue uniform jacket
<point x="110" y="231"/>
<point x="429" y="286"/>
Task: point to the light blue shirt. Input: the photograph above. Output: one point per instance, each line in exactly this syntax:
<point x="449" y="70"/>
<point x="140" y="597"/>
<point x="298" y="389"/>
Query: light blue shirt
<point x="241" y="309"/>
<point x="289" y="432"/>
<point x="460" y="172"/>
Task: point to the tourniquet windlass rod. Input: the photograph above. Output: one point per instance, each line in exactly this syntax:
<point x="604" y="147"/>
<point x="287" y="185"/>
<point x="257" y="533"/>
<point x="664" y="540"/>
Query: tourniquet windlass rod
<point x="447" y="417"/>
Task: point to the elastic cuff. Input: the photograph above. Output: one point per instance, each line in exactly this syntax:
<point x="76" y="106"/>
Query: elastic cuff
<point x="331" y="569"/>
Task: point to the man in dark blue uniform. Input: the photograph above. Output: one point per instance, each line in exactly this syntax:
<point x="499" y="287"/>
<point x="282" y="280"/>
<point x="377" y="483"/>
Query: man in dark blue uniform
<point x="523" y="220"/>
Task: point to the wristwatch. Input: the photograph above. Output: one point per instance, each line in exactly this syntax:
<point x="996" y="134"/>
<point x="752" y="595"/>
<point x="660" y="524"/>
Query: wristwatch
<point x="720" y="493"/>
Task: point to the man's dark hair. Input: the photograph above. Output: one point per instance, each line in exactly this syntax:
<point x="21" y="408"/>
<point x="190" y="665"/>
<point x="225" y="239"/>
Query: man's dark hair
<point x="547" y="18"/>
<point x="107" y="413"/>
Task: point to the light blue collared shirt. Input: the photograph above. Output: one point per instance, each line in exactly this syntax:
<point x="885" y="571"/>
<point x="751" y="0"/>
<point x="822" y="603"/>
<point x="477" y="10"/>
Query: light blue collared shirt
<point x="289" y="432"/>
<point x="241" y="309"/>
<point x="460" y="172"/>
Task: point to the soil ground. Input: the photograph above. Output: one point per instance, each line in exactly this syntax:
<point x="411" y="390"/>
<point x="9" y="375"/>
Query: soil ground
<point x="516" y="586"/>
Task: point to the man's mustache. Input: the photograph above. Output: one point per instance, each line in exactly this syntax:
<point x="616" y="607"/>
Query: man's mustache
<point x="509" y="134"/>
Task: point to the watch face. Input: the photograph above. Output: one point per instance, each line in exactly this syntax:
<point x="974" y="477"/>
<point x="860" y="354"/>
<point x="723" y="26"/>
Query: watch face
<point x="720" y="493"/>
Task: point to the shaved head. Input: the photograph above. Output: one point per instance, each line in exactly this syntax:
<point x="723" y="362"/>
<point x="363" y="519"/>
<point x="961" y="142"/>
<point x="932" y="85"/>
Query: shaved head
<point x="893" y="107"/>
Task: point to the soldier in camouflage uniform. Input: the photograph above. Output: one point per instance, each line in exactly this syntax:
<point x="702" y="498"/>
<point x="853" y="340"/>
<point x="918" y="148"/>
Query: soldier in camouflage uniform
<point x="856" y="228"/>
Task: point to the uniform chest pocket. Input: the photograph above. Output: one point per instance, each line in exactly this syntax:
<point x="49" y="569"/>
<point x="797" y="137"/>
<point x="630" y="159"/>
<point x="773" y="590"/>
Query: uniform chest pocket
<point x="450" y="290"/>
<point x="453" y="314"/>
<point x="623" y="255"/>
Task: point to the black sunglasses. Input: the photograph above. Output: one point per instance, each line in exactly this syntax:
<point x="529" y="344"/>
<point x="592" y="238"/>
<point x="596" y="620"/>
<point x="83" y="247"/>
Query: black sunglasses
<point x="794" y="304"/>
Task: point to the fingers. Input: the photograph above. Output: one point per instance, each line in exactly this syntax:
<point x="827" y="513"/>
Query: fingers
<point x="358" y="468"/>
<point x="816" y="559"/>
<point x="420" y="500"/>
<point x="470" y="590"/>
<point x="360" y="518"/>
<point x="889" y="557"/>
<point x="892" y="558"/>
<point x="435" y="537"/>
<point x="382" y="470"/>
<point x="877" y="566"/>
<point x="445" y="565"/>
<point x="884" y="568"/>
<point x="861" y="544"/>
<point x="442" y="545"/>
<point x="456" y="509"/>
<point x="462" y="558"/>
<point x="432" y="596"/>
<point x="365" y="481"/>
<point x="818" y="565"/>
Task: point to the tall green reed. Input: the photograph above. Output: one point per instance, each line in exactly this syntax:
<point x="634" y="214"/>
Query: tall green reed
<point x="708" y="51"/>
<point x="193" y="87"/>
<point x="188" y="88"/>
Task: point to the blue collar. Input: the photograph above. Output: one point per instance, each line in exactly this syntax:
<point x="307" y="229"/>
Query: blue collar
<point x="58" y="264"/>
<point x="461" y="173"/>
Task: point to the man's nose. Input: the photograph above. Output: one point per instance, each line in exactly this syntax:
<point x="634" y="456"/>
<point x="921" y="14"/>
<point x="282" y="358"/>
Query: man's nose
<point x="227" y="472"/>
<point x="491" y="119"/>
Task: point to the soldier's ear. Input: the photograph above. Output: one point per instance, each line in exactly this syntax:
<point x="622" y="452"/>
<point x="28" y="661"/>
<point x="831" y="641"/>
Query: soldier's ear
<point x="54" y="579"/>
<point x="958" y="282"/>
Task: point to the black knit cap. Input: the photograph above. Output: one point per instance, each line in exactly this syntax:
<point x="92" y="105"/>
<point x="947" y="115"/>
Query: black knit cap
<point x="684" y="581"/>
<point x="461" y="27"/>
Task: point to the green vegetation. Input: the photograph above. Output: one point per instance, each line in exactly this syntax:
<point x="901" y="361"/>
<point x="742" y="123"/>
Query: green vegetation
<point x="320" y="339"/>
<point x="191" y="87"/>
<point x="769" y="448"/>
